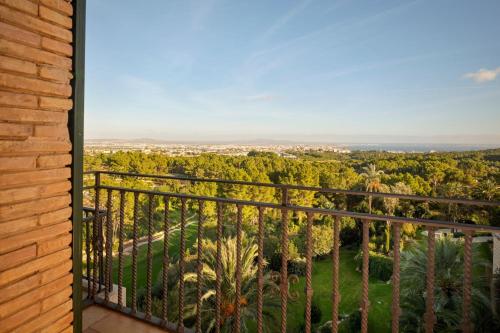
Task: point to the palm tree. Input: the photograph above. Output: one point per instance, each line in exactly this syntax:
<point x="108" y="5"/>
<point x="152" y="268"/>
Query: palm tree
<point x="487" y="189"/>
<point x="372" y="182"/>
<point x="452" y="190"/>
<point x="391" y="204"/>
<point x="248" y="300"/>
<point x="448" y="289"/>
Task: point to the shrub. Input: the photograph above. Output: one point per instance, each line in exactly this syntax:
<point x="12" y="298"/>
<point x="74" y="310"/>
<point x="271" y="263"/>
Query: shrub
<point x="315" y="313"/>
<point x="297" y="266"/>
<point x="322" y="240"/>
<point x="380" y="266"/>
<point x="352" y="323"/>
<point x="349" y="232"/>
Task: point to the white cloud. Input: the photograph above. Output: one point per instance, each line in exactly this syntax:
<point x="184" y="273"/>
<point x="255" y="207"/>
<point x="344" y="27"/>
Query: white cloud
<point x="483" y="75"/>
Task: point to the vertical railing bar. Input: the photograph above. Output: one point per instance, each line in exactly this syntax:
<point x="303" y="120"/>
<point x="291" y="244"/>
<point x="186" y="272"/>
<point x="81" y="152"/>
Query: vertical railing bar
<point x="199" y="265"/>
<point x="429" y="302"/>
<point x="309" y="290"/>
<point x="284" y="269"/>
<point x="365" y="277"/>
<point x="260" y="271"/>
<point x="109" y="256"/>
<point x="134" y="253"/>
<point x="149" y="272"/>
<point x="95" y="245"/>
<point x="100" y="245"/>
<point x="88" y="256"/>
<point x="218" y="272"/>
<point x="182" y="249"/>
<point x="121" y="234"/>
<point x="396" y="311"/>
<point x="335" y="278"/>
<point x="165" y="260"/>
<point x="467" y="288"/>
<point x="237" y="322"/>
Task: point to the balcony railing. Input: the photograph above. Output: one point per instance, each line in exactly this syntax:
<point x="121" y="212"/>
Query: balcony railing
<point x="102" y="258"/>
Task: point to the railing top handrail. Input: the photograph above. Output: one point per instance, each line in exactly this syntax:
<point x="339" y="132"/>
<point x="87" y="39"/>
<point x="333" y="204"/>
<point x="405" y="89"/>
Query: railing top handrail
<point x="326" y="211"/>
<point x="462" y="201"/>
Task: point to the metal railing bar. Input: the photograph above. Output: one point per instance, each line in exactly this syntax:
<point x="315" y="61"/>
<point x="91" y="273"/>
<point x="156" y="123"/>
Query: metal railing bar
<point x="365" y="303"/>
<point x="324" y="211"/>
<point x="284" y="268"/>
<point x="430" y="317"/>
<point x="199" y="264"/>
<point x="462" y="201"/>
<point x="149" y="270"/>
<point x="237" y="326"/>
<point x="260" y="270"/>
<point x="335" y="274"/>
<point x="182" y="249"/>
<point x="309" y="290"/>
<point x="134" y="253"/>
<point x="166" y="259"/>
<point x="218" y="272"/>
<point x="467" y="287"/>
<point x="396" y="311"/>
<point x="121" y="234"/>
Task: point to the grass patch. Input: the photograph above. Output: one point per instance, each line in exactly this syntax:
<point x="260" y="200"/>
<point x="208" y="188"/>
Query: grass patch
<point x="350" y="291"/>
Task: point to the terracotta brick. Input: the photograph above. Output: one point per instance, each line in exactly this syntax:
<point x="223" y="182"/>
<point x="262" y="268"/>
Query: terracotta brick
<point x="24" y="315"/>
<point x="33" y="54"/>
<point x="55" y="216"/>
<point x="54" y="273"/>
<point x="14" y="195"/>
<point x="18" y="257"/>
<point x="25" y="209"/>
<point x="20" y="287"/>
<point x="17" y="226"/>
<point x="22" y="5"/>
<point x="16" y="65"/>
<point x="36" y="295"/>
<point x="53" y="245"/>
<point x="62" y="48"/>
<point x="32" y="267"/>
<point x="16" y="34"/>
<point x="56" y="299"/>
<point x="53" y="16"/>
<point x="34" y="85"/>
<point x="32" y="116"/>
<point x="14" y="242"/>
<point x="45" y="319"/>
<point x="56" y="104"/>
<point x="59" y="5"/>
<point x="55" y="74"/>
<point x="53" y="161"/>
<point x="32" y="177"/>
<point x="16" y="131"/>
<point x="18" y="100"/>
<point x="35" y="24"/>
<point x="61" y="133"/>
<point x="31" y="145"/>
<point x="17" y="163"/>
<point x="70" y="330"/>
<point x="60" y="325"/>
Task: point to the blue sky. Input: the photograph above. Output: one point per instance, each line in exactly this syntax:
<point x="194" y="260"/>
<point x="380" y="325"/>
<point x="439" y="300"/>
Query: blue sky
<point x="305" y="70"/>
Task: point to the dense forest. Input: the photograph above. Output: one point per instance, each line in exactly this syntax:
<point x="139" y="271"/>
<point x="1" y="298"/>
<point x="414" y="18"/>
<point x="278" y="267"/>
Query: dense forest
<point x="472" y="175"/>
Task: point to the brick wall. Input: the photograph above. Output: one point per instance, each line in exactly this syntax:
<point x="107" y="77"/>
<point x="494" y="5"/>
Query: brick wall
<point x="35" y="239"/>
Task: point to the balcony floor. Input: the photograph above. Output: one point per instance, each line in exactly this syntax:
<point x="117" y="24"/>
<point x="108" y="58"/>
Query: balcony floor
<point x="97" y="319"/>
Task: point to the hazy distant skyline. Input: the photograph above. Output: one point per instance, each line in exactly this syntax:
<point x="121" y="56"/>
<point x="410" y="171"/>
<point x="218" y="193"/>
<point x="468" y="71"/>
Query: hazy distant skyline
<point x="329" y="71"/>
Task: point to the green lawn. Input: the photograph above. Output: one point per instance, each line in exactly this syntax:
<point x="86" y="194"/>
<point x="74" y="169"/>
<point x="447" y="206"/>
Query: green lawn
<point x="350" y="290"/>
<point x="191" y="231"/>
<point x="350" y="285"/>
